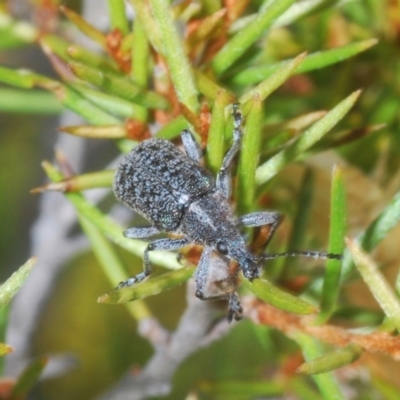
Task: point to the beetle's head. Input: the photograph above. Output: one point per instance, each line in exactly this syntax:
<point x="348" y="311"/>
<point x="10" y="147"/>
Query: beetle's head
<point x="250" y="267"/>
<point x="237" y="251"/>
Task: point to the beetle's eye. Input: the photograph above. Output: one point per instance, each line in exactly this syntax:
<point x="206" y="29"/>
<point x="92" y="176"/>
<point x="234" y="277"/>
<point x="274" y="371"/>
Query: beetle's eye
<point x="222" y="248"/>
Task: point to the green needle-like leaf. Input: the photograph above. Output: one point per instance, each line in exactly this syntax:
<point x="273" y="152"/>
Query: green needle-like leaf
<point x="331" y="360"/>
<point x="296" y="239"/>
<point x="144" y="15"/>
<point x="111" y="103"/>
<point x="120" y="87"/>
<point x="241" y="389"/>
<point x="215" y="143"/>
<point x="53" y="44"/>
<point x="106" y="255"/>
<point x="140" y="56"/>
<point x="89" y="30"/>
<point x="66" y="51"/>
<point x="331" y="287"/>
<point x="67" y="96"/>
<point x="28" y="102"/>
<point x="96" y="132"/>
<point x="376" y="232"/>
<point x="20" y="78"/>
<point x="264" y="89"/>
<point x="11" y="286"/>
<point x="15" y="33"/>
<point x="73" y="100"/>
<point x="300" y="9"/>
<point x="326" y="382"/>
<point x="269" y="169"/>
<point x="210" y="89"/>
<point x="314" y="61"/>
<point x="5" y="349"/>
<point x="111" y="265"/>
<point x="173" y="51"/>
<point x="271" y="294"/>
<point x="80" y="182"/>
<point x="148" y="288"/>
<point x="173" y="128"/>
<point x="248" y="161"/>
<point x="94" y="60"/>
<point x="118" y="15"/>
<point x="236" y="46"/>
<point x="28" y="378"/>
<point x="303" y="389"/>
<point x="377" y="284"/>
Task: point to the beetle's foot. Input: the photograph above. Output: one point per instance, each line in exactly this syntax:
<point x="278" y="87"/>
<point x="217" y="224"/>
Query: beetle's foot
<point x="237" y="115"/>
<point x="179" y="258"/>
<point x="132" y="281"/>
<point x="235" y="310"/>
<point x="128" y="282"/>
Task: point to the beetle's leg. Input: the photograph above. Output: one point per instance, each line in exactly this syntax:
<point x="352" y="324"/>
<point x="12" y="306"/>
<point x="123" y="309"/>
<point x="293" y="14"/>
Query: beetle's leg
<point x="235" y="310"/>
<point x="272" y="219"/>
<point x="202" y="271"/>
<point x="223" y="177"/>
<point x="141" y="232"/>
<point x="192" y="148"/>
<point x="159" y="244"/>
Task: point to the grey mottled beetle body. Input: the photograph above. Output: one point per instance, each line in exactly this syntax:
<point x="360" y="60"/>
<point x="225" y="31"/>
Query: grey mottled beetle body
<point x="177" y="195"/>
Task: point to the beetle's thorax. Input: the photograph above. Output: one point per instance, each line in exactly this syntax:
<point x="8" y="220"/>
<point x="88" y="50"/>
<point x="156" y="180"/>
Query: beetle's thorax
<point x="208" y="220"/>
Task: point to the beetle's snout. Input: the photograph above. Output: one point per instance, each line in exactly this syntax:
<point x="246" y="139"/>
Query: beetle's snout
<point x="250" y="268"/>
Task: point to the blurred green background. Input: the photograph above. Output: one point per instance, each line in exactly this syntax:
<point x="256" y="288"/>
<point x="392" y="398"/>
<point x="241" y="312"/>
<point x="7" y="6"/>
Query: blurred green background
<point x="102" y="340"/>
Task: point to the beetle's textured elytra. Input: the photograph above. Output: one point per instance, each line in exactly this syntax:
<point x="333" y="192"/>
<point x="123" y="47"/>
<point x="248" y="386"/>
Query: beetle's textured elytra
<point x="178" y="195"/>
<point x="157" y="180"/>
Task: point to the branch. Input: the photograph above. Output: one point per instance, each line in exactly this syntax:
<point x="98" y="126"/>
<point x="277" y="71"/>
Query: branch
<point x="196" y="329"/>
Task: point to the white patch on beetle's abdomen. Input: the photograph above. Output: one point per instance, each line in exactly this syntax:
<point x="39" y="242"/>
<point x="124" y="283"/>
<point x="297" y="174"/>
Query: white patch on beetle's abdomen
<point x="183" y="199"/>
<point x="202" y="216"/>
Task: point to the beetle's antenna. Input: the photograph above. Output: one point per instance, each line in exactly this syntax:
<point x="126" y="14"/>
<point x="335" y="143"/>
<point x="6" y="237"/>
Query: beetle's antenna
<point x="313" y="254"/>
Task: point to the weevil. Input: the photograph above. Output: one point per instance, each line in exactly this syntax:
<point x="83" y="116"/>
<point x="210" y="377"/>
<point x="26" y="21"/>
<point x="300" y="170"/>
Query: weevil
<point x="177" y="195"/>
